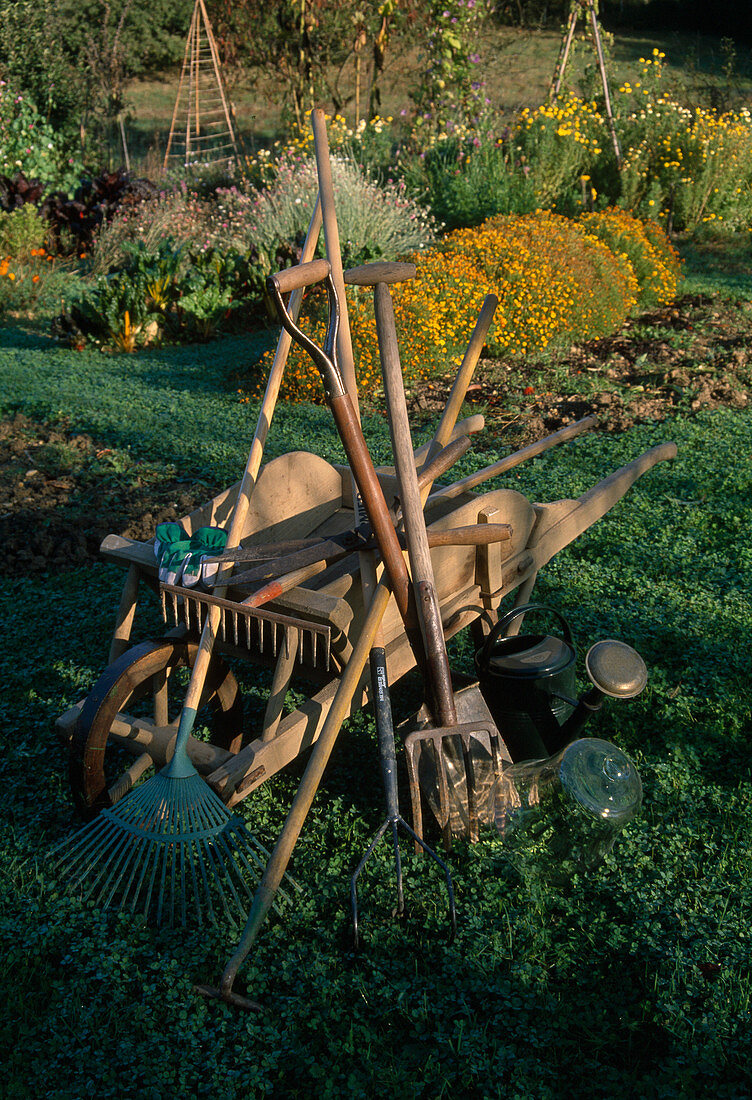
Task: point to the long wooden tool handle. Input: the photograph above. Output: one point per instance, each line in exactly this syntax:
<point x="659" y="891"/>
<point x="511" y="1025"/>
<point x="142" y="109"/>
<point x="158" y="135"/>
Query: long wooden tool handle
<point x="301" y="275"/>
<point x="381" y="271"/>
<point x="347" y="369"/>
<point x="243" y="500"/>
<point x="333" y="252"/>
<point x="464" y="375"/>
<point x="474" y="534"/>
<point x="378" y="512"/>
<point x="471" y="536"/>
<point x="280" y="857"/>
<point x="563" y="435"/>
<point x="407" y="476"/>
<point x="261" y="552"/>
<point x="412" y="507"/>
<point x="271" y="393"/>
<point x="276" y="588"/>
<point x="470" y="425"/>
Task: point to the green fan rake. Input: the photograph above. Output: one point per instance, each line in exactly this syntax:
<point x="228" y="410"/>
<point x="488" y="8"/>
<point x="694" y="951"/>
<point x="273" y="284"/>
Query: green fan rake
<point x="169" y="850"/>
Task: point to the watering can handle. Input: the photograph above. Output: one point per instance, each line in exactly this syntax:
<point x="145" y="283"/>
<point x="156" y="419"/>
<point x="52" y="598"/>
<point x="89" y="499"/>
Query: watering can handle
<point x="505" y="620"/>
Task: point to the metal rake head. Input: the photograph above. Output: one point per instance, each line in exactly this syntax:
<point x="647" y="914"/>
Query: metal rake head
<point x="255" y="628"/>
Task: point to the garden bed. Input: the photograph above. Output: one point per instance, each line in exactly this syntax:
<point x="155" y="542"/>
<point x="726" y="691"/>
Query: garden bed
<point x="62" y="492"/>
<point x="690" y="355"/>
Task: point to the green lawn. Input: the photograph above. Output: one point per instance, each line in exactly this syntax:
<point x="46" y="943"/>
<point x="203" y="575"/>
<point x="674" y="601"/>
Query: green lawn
<point x="633" y="981"/>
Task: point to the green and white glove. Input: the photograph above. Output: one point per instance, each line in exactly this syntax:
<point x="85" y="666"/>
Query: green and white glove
<point x="172" y="545"/>
<point x="205" y="542"/>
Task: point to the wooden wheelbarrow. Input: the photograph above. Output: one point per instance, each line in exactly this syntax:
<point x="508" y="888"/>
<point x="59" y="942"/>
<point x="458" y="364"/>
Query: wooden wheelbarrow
<point x="308" y="633"/>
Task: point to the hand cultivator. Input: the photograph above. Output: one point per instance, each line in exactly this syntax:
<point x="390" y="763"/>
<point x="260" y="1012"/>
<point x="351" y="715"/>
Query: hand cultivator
<point x="297" y="589"/>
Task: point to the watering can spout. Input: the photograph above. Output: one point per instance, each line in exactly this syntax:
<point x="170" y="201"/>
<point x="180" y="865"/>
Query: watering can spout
<point x="616" y="671"/>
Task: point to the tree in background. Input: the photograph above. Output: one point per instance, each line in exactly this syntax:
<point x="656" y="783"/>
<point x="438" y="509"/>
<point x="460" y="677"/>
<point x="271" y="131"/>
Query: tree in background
<point x="531" y="13"/>
<point x="334" y="49"/>
<point x="450" y="89"/>
<point x="72" y="58"/>
<point x="33" y="58"/>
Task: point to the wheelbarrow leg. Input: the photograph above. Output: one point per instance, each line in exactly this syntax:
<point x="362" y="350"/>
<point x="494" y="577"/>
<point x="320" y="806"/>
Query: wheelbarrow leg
<point x="125" y="614"/>
<point x="283" y="671"/>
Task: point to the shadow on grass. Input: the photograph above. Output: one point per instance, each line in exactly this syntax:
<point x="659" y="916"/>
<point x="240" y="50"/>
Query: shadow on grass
<point x="720" y="265"/>
<point x="25" y="339"/>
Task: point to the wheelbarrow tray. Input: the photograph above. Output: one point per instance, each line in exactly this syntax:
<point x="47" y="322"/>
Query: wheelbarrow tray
<point x="299" y="495"/>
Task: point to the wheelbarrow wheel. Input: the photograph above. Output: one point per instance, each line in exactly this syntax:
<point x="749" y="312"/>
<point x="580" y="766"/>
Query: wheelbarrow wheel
<point x="146" y="681"/>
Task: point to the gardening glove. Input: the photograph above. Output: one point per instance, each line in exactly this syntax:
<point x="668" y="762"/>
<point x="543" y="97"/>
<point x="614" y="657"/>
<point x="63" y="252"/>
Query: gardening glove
<point x="205" y="542"/>
<point x="166" y="536"/>
<point x="171" y="547"/>
<point x="173" y="561"/>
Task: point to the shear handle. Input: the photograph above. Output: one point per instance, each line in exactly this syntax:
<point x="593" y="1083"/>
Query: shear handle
<point x="325" y="359"/>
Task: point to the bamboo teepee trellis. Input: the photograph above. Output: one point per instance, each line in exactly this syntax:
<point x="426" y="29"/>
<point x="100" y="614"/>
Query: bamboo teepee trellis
<point x="589" y="9"/>
<point x="202" y="130"/>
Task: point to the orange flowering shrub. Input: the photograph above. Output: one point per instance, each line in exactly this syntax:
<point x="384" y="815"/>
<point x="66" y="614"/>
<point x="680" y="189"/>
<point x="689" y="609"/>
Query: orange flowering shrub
<point x="554" y="282"/>
<point x="557" y="281"/>
<point x="435" y="314"/>
<point x="654" y="260"/>
<point x="22" y="279"/>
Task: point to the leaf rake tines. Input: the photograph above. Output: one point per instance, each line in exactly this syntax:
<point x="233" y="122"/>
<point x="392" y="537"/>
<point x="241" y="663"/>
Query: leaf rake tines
<point x="169" y="850"/>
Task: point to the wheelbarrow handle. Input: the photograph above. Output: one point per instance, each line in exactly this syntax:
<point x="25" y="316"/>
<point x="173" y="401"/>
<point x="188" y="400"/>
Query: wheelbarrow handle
<point x="293" y="278"/>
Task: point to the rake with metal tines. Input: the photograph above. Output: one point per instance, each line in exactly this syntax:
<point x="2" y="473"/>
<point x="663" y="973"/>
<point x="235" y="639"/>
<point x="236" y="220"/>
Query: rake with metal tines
<point x="170" y="847"/>
<point x="247" y="625"/>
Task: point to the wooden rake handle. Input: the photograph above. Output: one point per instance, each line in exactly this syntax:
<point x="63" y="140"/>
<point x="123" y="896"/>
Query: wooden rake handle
<point x="243" y="500"/>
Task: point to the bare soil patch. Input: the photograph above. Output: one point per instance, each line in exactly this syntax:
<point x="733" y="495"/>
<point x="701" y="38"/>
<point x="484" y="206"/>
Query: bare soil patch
<point x="61" y="492"/>
<point x="695" y="354"/>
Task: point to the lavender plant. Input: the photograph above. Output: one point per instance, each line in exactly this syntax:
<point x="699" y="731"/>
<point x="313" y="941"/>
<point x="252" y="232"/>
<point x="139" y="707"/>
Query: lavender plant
<point x="374" y="219"/>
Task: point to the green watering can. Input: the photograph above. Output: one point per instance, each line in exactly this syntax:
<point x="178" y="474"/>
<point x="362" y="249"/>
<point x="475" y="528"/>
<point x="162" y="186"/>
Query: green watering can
<point x="529" y="683"/>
